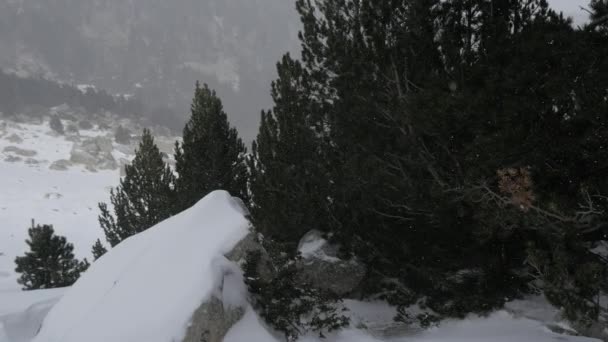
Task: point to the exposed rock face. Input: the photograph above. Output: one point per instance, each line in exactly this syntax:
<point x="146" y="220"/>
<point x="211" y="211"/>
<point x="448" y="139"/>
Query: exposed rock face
<point x="322" y="268"/>
<point x="250" y="244"/>
<point x="214" y="318"/>
<point x="94" y="153"/>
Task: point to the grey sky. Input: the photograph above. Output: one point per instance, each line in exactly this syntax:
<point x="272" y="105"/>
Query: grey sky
<point x="572" y="8"/>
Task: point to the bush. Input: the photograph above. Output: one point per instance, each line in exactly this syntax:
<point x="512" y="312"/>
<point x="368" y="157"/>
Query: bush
<point x="287" y="304"/>
<point x="56" y="124"/>
<point x="50" y="263"/>
<point x="122" y="135"/>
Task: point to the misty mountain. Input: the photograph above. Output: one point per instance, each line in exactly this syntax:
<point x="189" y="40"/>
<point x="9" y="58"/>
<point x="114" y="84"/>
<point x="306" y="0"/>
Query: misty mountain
<point x="154" y="49"/>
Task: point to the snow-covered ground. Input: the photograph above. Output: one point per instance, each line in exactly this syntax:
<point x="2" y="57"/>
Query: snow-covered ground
<point x="21" y="313"/>
<point x="147" y="288"/>
<point x="31" y="190"/>
<point x="68" y="198"/>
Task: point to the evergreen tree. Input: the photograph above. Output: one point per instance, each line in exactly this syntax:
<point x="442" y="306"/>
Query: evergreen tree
<point x="98" y="250"/>
<point x="288" y="183"/>
<point x="50" y="262"/>
<point x="211" y="156"/>
<point x="144" y="197"/>
<point x="440" y="161"/>
<point x="599" y="15"/>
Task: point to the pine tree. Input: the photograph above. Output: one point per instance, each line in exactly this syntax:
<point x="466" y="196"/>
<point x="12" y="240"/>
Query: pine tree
<point x="211" y="156"/>
<point x="98" y="250"/>
<point x="144" y="197"/>
<point x="418" y="145"/>
<point x="50" y="262"/>
<point x="599" y="15"/>
<point x="288" y="183"/>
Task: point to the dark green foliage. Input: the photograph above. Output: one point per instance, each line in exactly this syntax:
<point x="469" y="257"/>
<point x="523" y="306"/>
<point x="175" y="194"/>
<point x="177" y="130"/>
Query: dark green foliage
<point x="599" y="15"/>
<point x="18" y="93"/>
<point x="211" y="156"/>
<point x="289" y="305"/>
<point x="144" y="197"/>
<point x="448" y="137"/>
<point x="56" y="124"/>
<point x="50" y="262"/>
<point x="98" y="250"/>
<point x="289" y="183"/>
<point x="122" y="135"/>
<point x="571" y="279"/>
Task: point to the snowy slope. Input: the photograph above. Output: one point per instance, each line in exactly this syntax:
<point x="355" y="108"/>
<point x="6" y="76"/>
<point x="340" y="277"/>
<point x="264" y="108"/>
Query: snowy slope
<point x="147" y="287"/>
<point x="31" y="190"/>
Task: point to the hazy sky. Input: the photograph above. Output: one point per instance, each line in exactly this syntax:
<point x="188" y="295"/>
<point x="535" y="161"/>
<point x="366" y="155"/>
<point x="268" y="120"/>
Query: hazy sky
<point x="572" y="8"/>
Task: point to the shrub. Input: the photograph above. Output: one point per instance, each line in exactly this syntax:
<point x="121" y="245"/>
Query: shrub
<point x="56" y="124"/>
<point x="287" y="304"/>
<point x="50" y="263"/>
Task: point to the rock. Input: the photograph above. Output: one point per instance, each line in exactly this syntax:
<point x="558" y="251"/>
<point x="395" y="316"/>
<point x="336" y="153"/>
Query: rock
<point x="250" y="244"/>
<point x="211" y="322"/>
<point x="12" y="159"/>
<point x="94" y="153"/>
<point x="323" y="269"/>
<point x="60" y="165"/>
<point x="14" y="138"/>
<point x="32" y="161"/>
<point x="214" y="318"/>
<point x="78" y="156"/>
<point x="20" y="151"/>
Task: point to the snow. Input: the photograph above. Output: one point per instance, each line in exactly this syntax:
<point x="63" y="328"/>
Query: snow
<point x="498" y="327"/>
<point x="147" y="287"/>
<point x="249" y="329"/>
<point x="22" y="312"/>
<point x="313" y="245"/>
<point x="66" y="199"/>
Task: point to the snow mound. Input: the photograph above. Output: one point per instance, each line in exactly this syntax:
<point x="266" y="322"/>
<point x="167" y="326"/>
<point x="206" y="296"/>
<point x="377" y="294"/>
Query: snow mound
<point x="22" y="312"/>
<point x="148" y="287"/>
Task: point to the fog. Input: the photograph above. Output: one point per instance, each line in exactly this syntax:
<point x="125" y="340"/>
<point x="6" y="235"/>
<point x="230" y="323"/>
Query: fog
<point x="155" y="50"/>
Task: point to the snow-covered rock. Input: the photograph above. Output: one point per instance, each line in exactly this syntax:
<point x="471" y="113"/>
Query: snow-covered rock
<point x="20" y="151"/>
<point x="94" y="153"/>
<point x="323" y="269"/>
<point x="169" y="283"/>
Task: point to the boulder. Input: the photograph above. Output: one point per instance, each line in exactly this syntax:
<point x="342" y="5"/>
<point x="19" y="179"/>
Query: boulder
<point x="14" y="138"/>
<point x="323" y="269"/>
<point x="12" y="159"/>
<point x="20" y="151"/>
<point x="94" y="153"/>
<point x="214" y="318"/>
<point x="250" y="244"/>
<point x="60" y="165"/>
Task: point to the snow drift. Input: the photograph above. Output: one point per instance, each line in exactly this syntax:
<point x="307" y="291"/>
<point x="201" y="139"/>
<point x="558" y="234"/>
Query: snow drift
<point x="148" y="287"/>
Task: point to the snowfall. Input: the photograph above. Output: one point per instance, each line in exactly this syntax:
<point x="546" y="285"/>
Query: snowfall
<point x="147" y="287"/>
